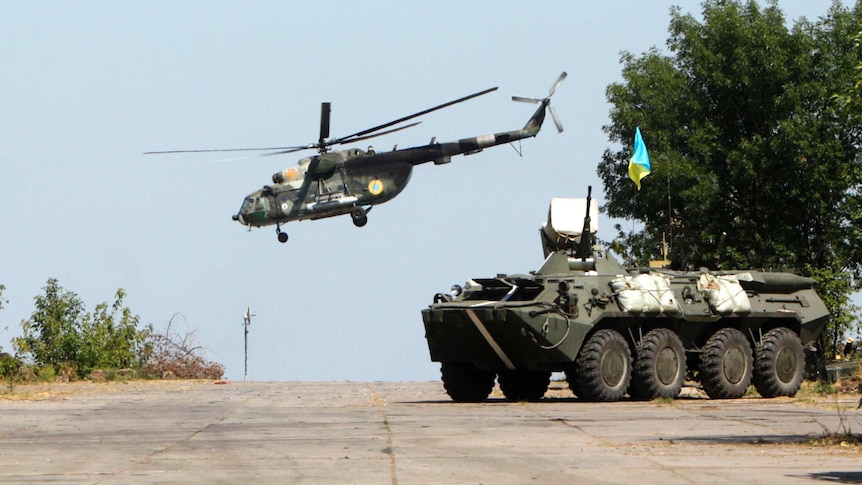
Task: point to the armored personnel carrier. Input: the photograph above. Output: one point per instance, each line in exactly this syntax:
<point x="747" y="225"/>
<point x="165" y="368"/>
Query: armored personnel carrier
<point x="617" y="331"/>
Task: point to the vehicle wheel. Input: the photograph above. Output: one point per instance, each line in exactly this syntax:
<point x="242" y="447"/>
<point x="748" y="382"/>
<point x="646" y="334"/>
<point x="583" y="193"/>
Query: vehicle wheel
<point x="780" y="363"/>
<point x="603" y="368"/>
<point x="521" y="385"/>
<point x="465" y="383"/>
<point x="282" y="237"/>
<point x="360" y="221"/>
<point x="359" y="216"/>
<point x="659" y="368"/>
<point x="726" y="364"/>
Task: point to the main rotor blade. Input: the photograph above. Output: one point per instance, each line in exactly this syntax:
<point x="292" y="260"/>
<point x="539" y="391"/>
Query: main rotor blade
<point x="296" y="148"/>
<point x="347" y="139"/>
<point x="375" y="135"/>
<point x="282" y="152"/>
<point x="290" y="150"/>
<point x="324" y="121"/>
<point x="557" y="84"/>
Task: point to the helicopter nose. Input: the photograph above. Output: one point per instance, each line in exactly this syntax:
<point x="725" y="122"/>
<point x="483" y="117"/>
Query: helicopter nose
<point x="238" y="217"/>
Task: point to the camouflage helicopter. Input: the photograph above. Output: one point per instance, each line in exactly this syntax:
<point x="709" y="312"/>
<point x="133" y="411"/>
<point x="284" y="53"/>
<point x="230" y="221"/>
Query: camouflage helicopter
<point x="352" y="181"/>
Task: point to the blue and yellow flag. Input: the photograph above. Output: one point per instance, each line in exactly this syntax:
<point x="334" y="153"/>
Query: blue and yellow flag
<point x="639" y="166"/>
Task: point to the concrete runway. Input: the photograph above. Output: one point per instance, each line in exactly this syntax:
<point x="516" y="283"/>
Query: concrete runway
<point x="408" y="433"/>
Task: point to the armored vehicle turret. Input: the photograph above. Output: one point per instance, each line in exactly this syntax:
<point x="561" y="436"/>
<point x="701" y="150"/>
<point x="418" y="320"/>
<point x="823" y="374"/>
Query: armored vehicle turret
<point x="616" y="331"/>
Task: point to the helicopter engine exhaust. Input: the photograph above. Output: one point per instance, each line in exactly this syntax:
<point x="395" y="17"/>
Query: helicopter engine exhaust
<point x="287" y="174"/>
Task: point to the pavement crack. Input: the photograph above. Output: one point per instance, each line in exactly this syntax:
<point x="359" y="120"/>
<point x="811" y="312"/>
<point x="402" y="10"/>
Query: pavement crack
<point x="380" y="403"/>
<point x="149" y="458"/>
<point x="623" y="446"/>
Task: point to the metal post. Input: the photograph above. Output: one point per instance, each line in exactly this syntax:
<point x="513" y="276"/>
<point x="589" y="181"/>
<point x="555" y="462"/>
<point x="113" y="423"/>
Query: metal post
<point x="246" y="323"/>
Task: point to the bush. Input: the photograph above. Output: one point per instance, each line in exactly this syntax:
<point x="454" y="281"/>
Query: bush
<point x="62" y="341"/>
<point x="60" y="335"/>
<point x="172" y="355"/>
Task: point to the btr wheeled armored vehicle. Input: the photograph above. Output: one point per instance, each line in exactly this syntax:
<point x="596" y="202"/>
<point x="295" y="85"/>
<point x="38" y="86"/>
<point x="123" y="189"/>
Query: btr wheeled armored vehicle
<point x="616" y="331"/>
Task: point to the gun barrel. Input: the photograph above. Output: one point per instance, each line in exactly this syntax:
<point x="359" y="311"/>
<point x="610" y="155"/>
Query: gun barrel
<point x="585" y="248"/>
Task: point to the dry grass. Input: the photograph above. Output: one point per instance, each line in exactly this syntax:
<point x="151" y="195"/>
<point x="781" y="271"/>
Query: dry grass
<point x="42" y="391"/>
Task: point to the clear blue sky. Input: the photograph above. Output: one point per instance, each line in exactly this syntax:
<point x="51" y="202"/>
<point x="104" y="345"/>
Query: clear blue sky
<point x="88" y="86"/>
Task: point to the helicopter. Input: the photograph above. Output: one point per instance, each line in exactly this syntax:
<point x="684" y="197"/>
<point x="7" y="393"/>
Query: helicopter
<point x="353" y="181"/>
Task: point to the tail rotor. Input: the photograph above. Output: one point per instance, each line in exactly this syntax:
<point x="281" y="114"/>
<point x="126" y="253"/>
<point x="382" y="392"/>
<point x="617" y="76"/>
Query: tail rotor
<point x="547" y="101"/>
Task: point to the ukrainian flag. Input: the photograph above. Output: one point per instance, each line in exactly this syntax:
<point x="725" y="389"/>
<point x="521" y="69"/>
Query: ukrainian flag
<point x="639" y="166"/>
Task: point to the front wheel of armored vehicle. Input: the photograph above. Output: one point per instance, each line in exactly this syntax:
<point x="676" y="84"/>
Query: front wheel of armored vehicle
<point x="603" y="368"/>
<point x="780" y="363"/>
<point x="659" y="368"/>
<point x="726" y="364"/>
<point x="464" y="382"/>
<point x="523" y="385"/>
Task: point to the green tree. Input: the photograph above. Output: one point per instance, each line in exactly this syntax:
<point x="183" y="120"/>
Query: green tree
<point x="9" y="366"/>
<point x="110" y="340"/>
<point x="747" y="139"/>
<point x="61" y="334"/>
<point x="52" y="335"/>
<point x="851" y="97"/>
<point x="2" y="301"/>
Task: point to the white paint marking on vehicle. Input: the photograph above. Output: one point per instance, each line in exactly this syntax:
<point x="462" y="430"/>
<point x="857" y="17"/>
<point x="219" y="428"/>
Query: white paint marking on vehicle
<point x="489" y="339"/>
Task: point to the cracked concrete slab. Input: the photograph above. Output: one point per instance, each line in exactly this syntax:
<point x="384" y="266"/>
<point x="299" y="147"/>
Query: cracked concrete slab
<point x="380" y="432"/>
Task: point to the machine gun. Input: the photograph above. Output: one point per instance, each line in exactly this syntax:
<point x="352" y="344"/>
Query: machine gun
<point x="571" y="226"/>
<point x="585" y="248"/>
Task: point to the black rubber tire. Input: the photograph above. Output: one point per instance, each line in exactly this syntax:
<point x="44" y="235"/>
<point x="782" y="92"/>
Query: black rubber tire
<point x="603" y="368"/>
<point x="659" y="367"/>
<point x="524" y="385"/>
<point x="360" y="221"/>
<point x="282" y="237"/>
<point x="359" y="216"/>
<point x="726" y="364"/>
<point x="780" y="363"/>
<point x="466" y="383"/>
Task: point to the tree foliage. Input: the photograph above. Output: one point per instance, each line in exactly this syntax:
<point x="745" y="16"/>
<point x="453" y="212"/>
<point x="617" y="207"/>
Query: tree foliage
<point x="747" y="138"/>
<point x="110" y="336"/>
<point x="851" y="97"/>
<point x="62" y="338"/>
<point x="61" y="334"/>
<point x="51" y="334"/>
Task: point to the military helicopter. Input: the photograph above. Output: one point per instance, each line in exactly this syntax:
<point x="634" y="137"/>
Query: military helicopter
<point x="353" y="181"/>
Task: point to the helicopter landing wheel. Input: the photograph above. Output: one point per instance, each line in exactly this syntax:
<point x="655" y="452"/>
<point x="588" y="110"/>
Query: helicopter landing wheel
<point x="359" y="215"/>
<point x="282" y="236"/>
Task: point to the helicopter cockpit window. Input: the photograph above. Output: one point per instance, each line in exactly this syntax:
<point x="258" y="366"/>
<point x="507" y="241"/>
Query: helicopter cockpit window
<point x="247" y="205"/>
<point x="263" y="203"/>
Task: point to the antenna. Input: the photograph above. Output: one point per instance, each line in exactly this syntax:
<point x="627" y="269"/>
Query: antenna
<point x="246" y="322"/>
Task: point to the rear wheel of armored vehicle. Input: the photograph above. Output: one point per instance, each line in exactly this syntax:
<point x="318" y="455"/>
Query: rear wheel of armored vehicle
<point x="466" y="383"/>
<point x="659" y="368"/>
<point x="523" y="385"/>
<point x="726" y="364"/>
<point x="603" y="368"/>
<point x="780" y="363"/>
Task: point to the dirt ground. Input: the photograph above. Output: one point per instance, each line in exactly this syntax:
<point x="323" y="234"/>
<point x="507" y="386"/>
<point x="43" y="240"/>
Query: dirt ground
<point x="63" y="390"/>
<point x="558" y="389"/>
